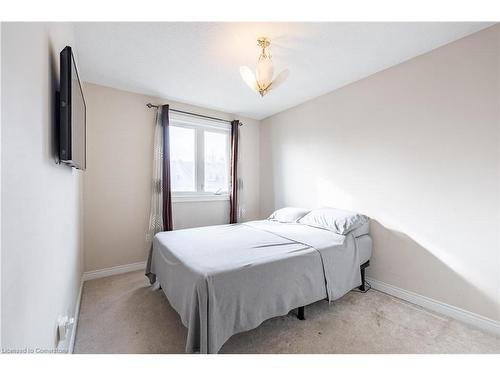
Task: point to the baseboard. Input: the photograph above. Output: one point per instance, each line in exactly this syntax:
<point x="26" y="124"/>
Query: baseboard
<point x="71" y="346"/>
<point x="475" y="320"/>
<point x="97" y="274"/>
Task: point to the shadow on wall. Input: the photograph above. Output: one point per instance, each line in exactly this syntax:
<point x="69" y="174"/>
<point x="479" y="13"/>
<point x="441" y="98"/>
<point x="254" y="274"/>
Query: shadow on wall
<point x="428" y="274"/>
<point x="53" y="97"/>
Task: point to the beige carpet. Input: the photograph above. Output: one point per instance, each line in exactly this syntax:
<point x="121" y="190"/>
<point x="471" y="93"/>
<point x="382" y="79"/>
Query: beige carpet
<point x="121" y="314"/>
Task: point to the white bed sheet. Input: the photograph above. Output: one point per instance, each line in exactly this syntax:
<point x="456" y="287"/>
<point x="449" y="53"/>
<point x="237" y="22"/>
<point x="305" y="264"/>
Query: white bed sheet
<point x="230" y="278"/>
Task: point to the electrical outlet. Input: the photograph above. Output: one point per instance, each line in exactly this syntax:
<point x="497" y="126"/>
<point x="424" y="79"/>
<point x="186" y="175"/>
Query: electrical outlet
<point x="64" y="324"/>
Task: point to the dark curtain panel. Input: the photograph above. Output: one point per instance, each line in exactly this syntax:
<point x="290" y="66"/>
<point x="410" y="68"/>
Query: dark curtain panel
<point x="167" y="195"/>
<point x="233" y="198"/>
<point x="164" y="188"/>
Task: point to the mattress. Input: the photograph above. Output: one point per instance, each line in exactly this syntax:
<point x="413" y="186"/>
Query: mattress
<point x="227" y="279"/>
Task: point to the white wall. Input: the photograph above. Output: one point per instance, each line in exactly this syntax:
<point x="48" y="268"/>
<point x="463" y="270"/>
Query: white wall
<point x="0" y="186"/>
<point x="118" y="177"/>
<point x="415" y="147"/>
<point x="41" y="201"/>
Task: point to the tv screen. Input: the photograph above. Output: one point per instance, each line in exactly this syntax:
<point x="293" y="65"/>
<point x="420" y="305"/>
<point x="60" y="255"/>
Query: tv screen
<point x="72" y="113"/>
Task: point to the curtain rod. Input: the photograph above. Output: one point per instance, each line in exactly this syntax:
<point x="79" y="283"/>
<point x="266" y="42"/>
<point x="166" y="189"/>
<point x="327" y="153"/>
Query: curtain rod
<point x="150" y="105"/>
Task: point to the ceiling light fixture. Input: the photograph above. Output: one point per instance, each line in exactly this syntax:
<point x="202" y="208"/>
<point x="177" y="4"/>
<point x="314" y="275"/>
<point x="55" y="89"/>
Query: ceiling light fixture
<point x="262" y="81"/>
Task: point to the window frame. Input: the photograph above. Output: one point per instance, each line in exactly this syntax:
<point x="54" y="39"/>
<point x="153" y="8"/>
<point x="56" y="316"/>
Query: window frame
<point x="200" y="125"/>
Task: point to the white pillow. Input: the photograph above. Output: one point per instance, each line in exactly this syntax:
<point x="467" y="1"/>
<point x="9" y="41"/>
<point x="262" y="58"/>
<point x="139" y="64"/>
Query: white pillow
<point x="288" y="214"/>
<point x="334" y="219"/>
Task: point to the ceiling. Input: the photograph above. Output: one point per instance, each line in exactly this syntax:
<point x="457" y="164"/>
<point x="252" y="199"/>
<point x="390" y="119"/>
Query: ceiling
<point x="198" y="63"/>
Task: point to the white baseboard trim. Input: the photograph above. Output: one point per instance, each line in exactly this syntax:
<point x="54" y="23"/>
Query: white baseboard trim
<point x="71" y="346"/>
<point x="476" y="320"/>
<point x="97" y="274"/>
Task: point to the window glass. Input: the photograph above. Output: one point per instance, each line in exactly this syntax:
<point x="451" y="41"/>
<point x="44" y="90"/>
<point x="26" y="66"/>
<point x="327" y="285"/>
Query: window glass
<point x="182" y="159"/>
<point x="216" y="162"/>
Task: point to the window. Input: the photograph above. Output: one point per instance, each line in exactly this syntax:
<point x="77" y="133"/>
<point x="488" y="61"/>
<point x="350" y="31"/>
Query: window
<point x="199" y="158"/>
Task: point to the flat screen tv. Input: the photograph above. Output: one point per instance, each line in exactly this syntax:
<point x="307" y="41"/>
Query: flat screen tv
<point x="72" y="127"/>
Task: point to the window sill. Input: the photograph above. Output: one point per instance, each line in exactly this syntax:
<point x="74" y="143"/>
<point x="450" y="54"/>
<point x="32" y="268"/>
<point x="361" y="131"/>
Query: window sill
<point x="199" y="198"/>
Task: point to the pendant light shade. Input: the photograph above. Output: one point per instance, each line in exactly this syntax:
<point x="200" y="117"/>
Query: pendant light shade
<point x="262" y="81"/>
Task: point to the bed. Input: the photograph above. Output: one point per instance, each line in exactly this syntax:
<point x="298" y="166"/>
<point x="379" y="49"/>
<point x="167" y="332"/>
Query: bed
<point x="227" y="279"/>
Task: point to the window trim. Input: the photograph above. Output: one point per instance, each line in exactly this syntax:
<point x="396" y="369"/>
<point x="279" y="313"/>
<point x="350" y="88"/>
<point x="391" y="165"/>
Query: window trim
<point x="177" y="198"/>
<point x="200" y="126"/>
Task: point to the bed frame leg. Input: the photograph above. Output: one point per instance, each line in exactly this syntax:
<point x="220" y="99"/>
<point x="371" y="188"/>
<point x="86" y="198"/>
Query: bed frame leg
<point x="362" y="268"/>
<point x="362" y="286"/>
<point x="300" y="313"/>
